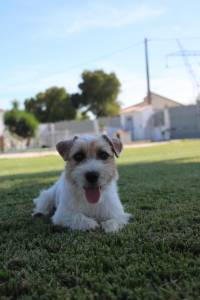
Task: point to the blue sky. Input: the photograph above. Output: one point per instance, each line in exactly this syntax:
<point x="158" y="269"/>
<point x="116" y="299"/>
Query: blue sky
<point x="46" y="43"/>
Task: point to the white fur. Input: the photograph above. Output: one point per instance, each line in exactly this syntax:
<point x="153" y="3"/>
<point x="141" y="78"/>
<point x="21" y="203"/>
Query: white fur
<point x="74" y="211"/>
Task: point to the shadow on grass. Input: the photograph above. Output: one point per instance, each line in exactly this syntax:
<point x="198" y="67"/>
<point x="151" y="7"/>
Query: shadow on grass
<point x="145" y="185"/>
<point x="166" y="165"/>
<point x="29" y="176"/>
<point x="142" y="186"/>
<point x="135" y="177"/>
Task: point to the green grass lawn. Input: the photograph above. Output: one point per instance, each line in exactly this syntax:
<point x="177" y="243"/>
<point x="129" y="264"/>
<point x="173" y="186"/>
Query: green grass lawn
<point x="156" y="256"/>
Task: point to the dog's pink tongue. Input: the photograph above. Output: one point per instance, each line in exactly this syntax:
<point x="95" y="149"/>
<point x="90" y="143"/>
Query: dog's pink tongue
<point x="92" y="194"/>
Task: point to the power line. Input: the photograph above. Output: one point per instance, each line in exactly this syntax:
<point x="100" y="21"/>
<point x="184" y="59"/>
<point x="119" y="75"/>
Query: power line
<point x="185" y="54"/>
<point x="105" y="55"/>
<point x="173" y="39"/>
<point x="188" y="66"/>
<point x="138" y="43"/>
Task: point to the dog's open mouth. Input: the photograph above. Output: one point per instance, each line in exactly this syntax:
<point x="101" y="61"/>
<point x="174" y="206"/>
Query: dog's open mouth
<point x="92" y="194"/>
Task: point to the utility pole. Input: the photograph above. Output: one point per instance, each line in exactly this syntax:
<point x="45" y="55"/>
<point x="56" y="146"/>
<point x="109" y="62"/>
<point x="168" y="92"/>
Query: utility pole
<point x="147" y="70"/>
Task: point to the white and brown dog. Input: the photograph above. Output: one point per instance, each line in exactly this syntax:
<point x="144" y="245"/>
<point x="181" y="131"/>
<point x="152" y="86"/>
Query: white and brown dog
<point x="85" y="196"/>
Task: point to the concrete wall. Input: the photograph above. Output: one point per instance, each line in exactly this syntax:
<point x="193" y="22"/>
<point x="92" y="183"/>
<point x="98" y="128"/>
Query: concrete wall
<point x="50" y="134"/>
<point x="185" y="122"/>
<point x="76" y="127"/>
<point x="110" y="125"/>
<point x="147" y="124"/>
<point x="110" y="122"/>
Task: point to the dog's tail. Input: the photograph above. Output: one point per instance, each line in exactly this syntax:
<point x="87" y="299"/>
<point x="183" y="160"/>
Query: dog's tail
<point x="45" y="202"/>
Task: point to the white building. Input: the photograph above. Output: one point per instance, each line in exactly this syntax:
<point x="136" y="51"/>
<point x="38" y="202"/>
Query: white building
<point x="148" y="121"/>
<point x="1" y="122"/>
<point x="2" y="127"/>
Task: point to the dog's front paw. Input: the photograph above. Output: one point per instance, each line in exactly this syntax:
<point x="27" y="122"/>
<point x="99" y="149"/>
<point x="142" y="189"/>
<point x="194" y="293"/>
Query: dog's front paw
<point x="126" y="217"/>
<point x="115" y="224"/>
<point x="111" y="225"/>
<point x="88" y="224"/>
<point x="74" y="221"/>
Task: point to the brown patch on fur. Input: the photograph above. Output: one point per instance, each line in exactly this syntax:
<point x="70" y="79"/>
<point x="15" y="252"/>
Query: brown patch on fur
<point x="111" y="170"/>
<point x="64" y="147"/>
<point x="110" y="162"/>
<point x="91" y="150"/>
<point x="79" y="145"/>
<point x="102" y="145"/>
<point x="115" y="144"/>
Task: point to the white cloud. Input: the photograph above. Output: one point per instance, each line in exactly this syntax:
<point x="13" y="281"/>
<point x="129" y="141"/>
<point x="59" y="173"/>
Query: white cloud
<point x="61" y="22"/>
<point x="109" y="17"/>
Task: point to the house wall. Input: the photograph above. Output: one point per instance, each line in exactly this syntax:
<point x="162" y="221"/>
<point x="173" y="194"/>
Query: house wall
<point x="138" y="126"/>
<point x="159" y="102"/>
<point x="2" y="127"/>
<point x="123" y="119"/>
<point x="162" y="125"/>
<point x="147" y="117"/>
<point x="142" y="123"/>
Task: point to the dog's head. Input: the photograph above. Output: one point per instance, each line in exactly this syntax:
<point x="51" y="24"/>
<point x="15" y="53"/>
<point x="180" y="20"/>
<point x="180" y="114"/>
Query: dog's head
<point x="90" y="163"/>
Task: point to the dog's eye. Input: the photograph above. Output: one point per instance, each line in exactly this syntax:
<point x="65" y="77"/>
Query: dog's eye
<point x="79" y="156"/>
<point x="103" y="155"/>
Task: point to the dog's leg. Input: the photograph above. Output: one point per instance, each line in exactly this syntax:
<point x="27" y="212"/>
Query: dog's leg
<point x="116" y="223"/>
<point x="116" y="218"/>
<point x="44" y="203"/>
<point x="75" y="221"/>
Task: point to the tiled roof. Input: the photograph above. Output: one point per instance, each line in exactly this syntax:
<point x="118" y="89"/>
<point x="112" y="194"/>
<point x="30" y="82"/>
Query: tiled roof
<point x="144" y="104"/>
<point x="135" y="108"/>
<point x="165" y="98"/>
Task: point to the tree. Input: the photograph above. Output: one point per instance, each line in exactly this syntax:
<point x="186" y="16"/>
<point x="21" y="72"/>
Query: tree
<point x="20" y="122"/>
<point x="99" y="92"/>
<point x="52" y="105"/>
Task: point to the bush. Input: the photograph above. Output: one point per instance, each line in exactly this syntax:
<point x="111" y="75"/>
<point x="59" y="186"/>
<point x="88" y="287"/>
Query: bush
<point x="21" y="123"/>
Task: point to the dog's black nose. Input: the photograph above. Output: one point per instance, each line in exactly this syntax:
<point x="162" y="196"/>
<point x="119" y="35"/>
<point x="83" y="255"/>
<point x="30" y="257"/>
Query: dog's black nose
<point x="92" y="176"/>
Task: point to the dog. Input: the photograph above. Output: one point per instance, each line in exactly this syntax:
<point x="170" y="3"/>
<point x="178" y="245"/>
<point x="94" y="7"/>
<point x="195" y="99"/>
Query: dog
<point x="85" y="197"/>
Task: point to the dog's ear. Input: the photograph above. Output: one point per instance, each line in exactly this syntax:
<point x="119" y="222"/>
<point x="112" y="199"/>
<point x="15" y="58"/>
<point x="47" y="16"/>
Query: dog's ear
<point x="115" y="144"/>
<point x="64" y="147"/>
